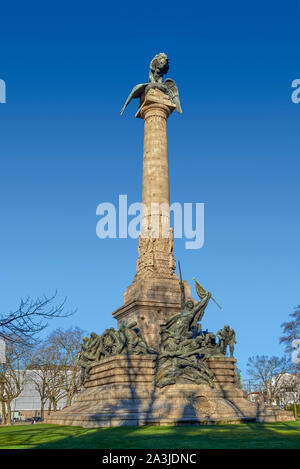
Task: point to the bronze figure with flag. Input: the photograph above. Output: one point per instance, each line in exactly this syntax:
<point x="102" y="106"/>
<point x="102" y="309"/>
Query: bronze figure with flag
<point x="202" y="292"/>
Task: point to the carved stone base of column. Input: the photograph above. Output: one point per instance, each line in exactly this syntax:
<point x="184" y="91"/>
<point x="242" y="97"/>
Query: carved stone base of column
<point x="156" y="257"/>
<point x="149" y="302"/>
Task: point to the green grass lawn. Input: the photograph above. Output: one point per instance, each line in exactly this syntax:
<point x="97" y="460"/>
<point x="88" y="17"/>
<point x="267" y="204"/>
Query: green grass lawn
<point x="252" y="435"/>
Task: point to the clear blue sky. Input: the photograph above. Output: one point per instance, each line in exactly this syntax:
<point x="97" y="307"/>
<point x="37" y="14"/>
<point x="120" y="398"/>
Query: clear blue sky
<point x="64" y="149"/>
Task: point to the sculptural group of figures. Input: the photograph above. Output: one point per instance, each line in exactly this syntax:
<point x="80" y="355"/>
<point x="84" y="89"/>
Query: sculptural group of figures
<point x="127" y="340"/>
<point x="184" y="348"/>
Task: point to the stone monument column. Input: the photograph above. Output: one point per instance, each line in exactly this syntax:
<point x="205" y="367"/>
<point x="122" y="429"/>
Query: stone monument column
<point x="155" y="111"/>
<point x="154" y="294"/>
<point x="156" y="239"/>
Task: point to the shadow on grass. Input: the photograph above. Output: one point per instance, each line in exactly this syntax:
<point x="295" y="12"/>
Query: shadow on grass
<point x="139" y="408"/>
<point x="241" y="436"/>
<point x="31" y="436"/>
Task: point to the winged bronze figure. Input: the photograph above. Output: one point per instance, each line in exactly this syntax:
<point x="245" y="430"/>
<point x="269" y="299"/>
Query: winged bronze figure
<point x="159" y="66"/>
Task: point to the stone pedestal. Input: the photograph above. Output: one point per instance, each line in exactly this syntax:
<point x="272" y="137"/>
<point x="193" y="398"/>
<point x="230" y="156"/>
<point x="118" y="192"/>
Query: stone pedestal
<point x="120" y="392"/>
<point x="224" y="370"/>
<point x="150" y="302"/>
<point x="122" y="369"/>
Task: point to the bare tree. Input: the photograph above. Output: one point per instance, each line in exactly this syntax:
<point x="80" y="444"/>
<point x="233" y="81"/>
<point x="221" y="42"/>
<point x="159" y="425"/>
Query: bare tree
<point x="291" y="330"/>
<point x="47" y="375"/>
<point x="54" y="370"/>
<point x="31" y="317"/>
<point x="67" y="344"/>
<point x="12" y="377"/>
<point x="267" y="372"/>
<point x="38" y="371"/>
<point x="55" y="381"/>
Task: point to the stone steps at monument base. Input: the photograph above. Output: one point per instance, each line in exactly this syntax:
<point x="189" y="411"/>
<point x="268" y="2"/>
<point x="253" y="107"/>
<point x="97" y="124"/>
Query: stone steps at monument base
<point x="226" y="387"/>
<point x="120" y="365"/>
<point x="145" y="414"/>
<point x="233" y="392"/>
<point x="221" y="373"/>
<point x="118" y="370"/>
<point x="138" y="368"/>
<point x="224" y="379"/>
<point x="121" y="372"/>
<point x="91" y="421"/>
<point x="94" y="420"/>
<point x="117" y="422"/>
<point x="176" y="405"/>
<point x="121" y="369"/>
<point x="221" y="366"/>
<point x="145" y="390"/>
<point x="119" y="380"/>
<point x="139" y="396"/>
<point x="120" y="391"/>
<point x="274" y="418"/>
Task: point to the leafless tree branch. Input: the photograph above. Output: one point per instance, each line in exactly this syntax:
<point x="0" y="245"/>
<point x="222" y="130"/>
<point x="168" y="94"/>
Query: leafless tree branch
<point x="31" y="318"/>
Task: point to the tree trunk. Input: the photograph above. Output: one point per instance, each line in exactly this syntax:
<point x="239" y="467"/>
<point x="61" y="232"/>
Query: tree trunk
<point x="54" y="404"/>
<point x="49" y="406"/>
<point x="269" y="397"/>
<point x="8" y="413"/>
<point x="69" y="399"/>
<point x="3" y="407"/>
<point x="42" y="409"/>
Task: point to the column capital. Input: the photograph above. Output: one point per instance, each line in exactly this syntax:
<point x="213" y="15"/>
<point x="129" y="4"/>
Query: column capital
<point x="155" y="100"/>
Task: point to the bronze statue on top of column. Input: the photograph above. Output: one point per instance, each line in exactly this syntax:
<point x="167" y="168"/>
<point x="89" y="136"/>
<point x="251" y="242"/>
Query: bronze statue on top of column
<point x="159" y="66"/>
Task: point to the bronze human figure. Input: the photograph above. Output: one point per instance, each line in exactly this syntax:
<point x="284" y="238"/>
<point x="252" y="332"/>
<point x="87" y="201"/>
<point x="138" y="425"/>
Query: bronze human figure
<point x="226" y="338"/>
<point x="89" y="353"/>
<point x="159" y="66"/>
